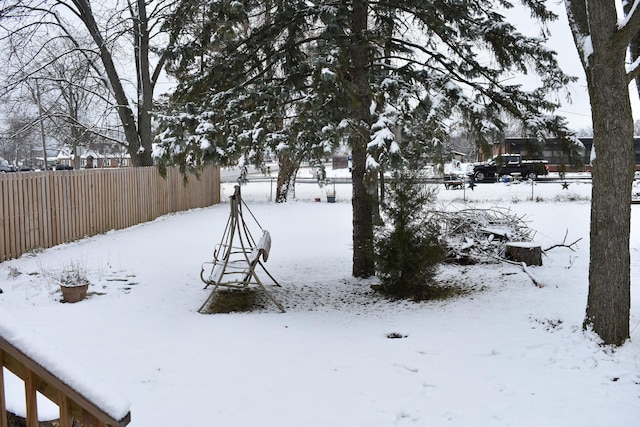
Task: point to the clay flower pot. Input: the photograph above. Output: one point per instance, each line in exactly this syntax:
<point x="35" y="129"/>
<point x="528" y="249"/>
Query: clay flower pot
<point x="73" y="284"/>
<point x="74" y="293"/>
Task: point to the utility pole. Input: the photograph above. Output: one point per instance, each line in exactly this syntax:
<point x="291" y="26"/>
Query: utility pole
<point x="41" y="120"/>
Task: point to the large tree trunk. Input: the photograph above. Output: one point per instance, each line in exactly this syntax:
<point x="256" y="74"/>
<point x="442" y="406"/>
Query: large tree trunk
<point x="362" y="202"/>
<point x="287" y="170"/>
<point x="140" y="155"/>
<point x="608" y="303"/>
<point x="145" y="87"/>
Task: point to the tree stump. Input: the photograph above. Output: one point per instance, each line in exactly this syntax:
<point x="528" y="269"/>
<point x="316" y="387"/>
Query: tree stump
<point x="528" y="252"/>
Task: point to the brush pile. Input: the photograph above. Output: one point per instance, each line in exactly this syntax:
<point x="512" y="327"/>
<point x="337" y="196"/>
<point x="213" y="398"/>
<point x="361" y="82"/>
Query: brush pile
<point x="473" y="236"/>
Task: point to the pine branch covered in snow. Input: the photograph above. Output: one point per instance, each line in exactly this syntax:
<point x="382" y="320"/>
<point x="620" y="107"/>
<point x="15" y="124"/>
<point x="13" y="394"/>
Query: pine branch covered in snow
<point x="281" y="75"/>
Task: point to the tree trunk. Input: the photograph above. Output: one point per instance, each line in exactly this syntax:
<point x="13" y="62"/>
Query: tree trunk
<point x="287" y="169"/>
<point x="608" y="304"/>
<point x="145" y="87"/>
<point x="140" y="155"/>
<point x="362" y="202"/>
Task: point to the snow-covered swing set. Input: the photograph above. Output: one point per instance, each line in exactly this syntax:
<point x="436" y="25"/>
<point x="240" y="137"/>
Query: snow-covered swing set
<point x="237" y="256"/>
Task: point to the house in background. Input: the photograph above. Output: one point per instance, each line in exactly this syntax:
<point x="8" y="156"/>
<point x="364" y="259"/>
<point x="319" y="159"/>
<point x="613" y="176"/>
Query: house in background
<point x="459" y="156"/>
<point x="552" y="151"/>
<point x="90" y="159"/>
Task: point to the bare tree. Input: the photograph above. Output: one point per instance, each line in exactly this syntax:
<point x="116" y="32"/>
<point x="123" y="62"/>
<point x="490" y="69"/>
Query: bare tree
<point x="18" y="139"/>
<point x="63" y="98"/>
<point x="27" y="122"/>
<point x="603" y="41"/>
<point x="80" y="102"/>
<point x="121" y="53"/>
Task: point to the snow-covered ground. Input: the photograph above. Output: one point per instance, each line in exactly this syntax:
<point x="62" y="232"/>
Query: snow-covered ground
<point x="507" y="354"/>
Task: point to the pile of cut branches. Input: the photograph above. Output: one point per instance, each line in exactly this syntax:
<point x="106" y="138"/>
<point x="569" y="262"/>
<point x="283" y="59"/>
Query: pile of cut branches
<point x="473" y="236"/>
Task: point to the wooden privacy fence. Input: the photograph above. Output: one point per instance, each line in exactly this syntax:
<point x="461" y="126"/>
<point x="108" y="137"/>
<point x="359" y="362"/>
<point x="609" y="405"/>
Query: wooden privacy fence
<point x="44" y="209"/>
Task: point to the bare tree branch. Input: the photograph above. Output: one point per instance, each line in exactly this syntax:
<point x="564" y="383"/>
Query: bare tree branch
<point x="564" y="244"/>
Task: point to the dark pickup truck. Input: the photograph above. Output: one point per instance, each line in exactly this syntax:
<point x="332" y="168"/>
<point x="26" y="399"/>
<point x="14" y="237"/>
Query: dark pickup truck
<point x="508" y="164"/>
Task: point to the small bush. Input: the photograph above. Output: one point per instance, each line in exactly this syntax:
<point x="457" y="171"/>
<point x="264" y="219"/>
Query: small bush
<point x="407" y="246"/>
<point x="73" y="274"/>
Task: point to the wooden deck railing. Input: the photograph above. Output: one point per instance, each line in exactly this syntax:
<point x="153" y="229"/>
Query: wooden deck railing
<point x="38" y="378"/>
<point x="44" y="209"/>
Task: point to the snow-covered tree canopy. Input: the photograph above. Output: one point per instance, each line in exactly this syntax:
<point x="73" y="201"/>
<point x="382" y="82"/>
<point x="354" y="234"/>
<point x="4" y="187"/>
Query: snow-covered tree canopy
<point x="281" y="74"/>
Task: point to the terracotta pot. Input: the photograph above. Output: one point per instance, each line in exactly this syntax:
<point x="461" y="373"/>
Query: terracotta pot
<point x="74" y="293"/>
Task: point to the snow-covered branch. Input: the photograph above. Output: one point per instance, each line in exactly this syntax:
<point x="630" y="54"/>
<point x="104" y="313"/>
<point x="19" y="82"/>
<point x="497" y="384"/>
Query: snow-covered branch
<point x="579" y="24"/>
<point x="633" y="70"/>
<point x="629" y="25"/>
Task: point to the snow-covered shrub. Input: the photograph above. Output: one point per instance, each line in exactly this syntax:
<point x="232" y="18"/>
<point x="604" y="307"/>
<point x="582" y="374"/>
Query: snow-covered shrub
<point x="73" y="274"/>
<point x="407" y="247"/>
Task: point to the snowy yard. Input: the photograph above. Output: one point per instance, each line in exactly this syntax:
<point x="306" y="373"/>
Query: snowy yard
<point x="507" y="354"/>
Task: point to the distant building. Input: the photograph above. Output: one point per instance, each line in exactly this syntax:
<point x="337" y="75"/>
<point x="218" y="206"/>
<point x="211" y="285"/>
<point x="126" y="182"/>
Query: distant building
<point x="457" y="155"/>
<point x="89" y="159"/>
<point x="340" y="161"/>
<point x="551" y="151"/>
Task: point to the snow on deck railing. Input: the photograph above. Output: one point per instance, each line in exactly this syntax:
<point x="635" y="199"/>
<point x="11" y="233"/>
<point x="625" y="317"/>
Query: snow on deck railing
<point x="56" y="376"/>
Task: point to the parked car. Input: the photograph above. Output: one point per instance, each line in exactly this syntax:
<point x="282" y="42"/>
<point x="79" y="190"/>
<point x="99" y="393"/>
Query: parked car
<point x="61" y="167"/>
<point x="5" y="166"/>
<point x="509" y="164"/>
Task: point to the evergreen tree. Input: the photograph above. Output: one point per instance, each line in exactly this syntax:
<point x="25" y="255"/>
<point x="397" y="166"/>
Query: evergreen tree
<point x="407" y="247"/>
<point x="257" y="73"/>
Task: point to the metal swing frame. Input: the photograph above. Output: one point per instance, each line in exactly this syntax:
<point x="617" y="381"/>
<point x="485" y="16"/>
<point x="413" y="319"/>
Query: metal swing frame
<point x="237" y="256"/>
